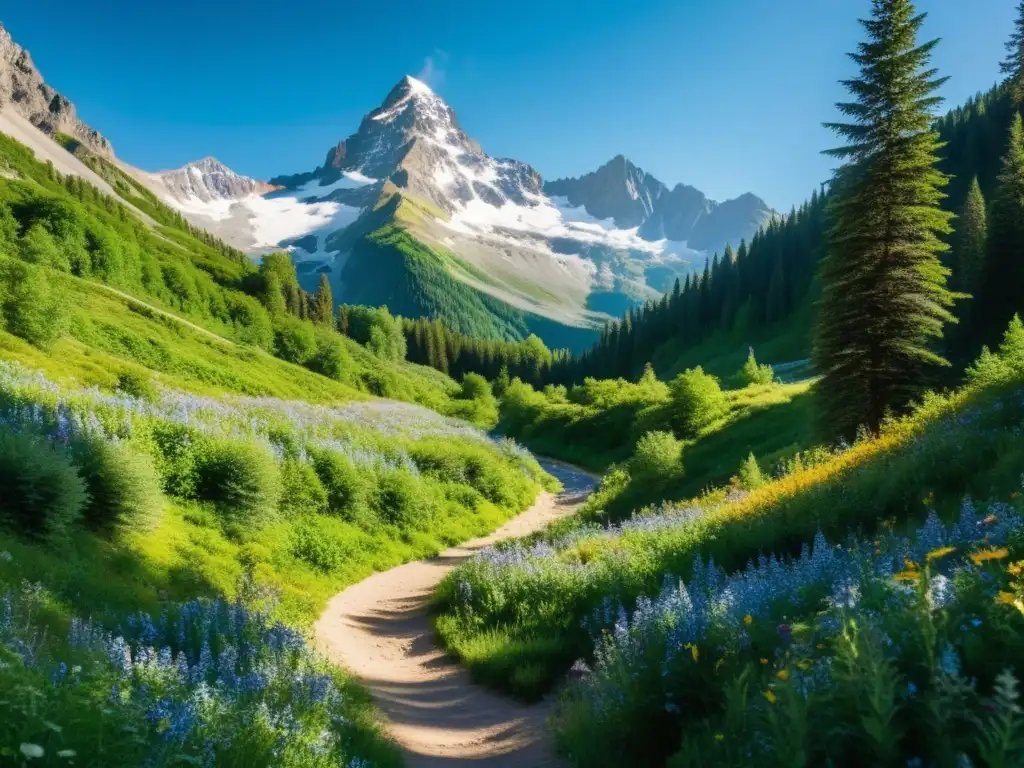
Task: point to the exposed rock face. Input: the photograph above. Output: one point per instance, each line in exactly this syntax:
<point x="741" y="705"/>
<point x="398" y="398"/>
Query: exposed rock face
<point x="208" y="180"/>
<point x="620" y="191"/>
<point x="22" y="86"/>
<point x="414" y="139"/>
<point x="617" y="190"/>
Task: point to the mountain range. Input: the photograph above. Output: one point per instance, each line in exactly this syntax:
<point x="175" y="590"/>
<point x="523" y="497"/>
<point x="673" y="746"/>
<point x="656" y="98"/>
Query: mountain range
<point x="411" y="211"/>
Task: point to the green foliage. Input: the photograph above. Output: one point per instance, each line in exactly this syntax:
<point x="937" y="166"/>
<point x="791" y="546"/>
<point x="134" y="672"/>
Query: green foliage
<point x="323" y="303"/>
<point x="302" y="493"/>
<point x="241" y="479"/>
<point x="657" y="455"/>
<point x="38" y="247"/>
<point x="754" y="374"/>
<point x="347" y="488"/>
<point x="294" y="340"/>
<point x="971" y="240"/>
<point x="125" y="491"/>
<point x="43" y="495"/>
<point x="378" y="331"/>
<point x="399" y="500"/>
<point x="331" y="358"/>
<point x="884" y="298"/>
<point x="697" y="401"/>
<point x="999" y="296"/>
<point x="135" y="383"/>
<point x="475" y="387"/>
<point x="750" y="477"/>
<point x="34" y="307"/>
<point x="1013" y="65"/>
<point x="1005" y="364"/>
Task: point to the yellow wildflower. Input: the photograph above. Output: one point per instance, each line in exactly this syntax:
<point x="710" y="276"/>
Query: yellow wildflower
<point x="719" y="737"/>
<point x="997" y="553"/>
<point x="783" y="675"/>
<point x="694" y="651"/>
<point x="764" y="660"/>
<point x="770" y="695"/>
<point x="748" y="619"/>
<point x="941" y="552"/>
<point x="1016" y="569"/>
<point x="1005" y="598"/>
<point x="805" y="664"/>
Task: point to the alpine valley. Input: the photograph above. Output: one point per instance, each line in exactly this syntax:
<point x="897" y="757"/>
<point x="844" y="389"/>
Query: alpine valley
<point x="411" y="212"/>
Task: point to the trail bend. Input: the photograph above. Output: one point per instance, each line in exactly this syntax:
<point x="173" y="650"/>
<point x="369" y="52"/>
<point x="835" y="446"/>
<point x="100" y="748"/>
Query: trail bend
<point x="380" y="629"/>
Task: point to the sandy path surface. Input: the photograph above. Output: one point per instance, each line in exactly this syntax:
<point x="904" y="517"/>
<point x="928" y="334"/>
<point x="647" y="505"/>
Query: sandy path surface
<point x="380" y="629"/>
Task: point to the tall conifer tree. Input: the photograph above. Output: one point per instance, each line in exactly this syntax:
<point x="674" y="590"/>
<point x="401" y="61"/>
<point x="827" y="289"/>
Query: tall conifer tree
<point x="323" y="302"/>
<point x="971" y="236"/>
<point x="1013" y="64"/>
<point x="884" y="295"/>
<point x="1004" y="267"/>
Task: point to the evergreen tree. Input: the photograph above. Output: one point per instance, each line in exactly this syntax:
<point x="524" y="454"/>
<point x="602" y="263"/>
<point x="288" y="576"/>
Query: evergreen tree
<point x="1004" y="267"/>
<point x="1013" y="64"/>
<point x="343" y="319"/>
<point x="323" y="302"/>
<point x="884" y="295"/>
<point x="972" y="234"/>
<point x="273" y="297"/>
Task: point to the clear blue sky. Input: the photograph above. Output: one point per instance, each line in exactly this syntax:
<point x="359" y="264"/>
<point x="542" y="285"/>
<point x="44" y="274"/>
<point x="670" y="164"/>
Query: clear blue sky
<point x="727" y="95"/>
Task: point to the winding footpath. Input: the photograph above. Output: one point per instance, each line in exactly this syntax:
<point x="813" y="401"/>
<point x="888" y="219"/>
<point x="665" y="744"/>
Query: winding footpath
<point x="380" y="629"/>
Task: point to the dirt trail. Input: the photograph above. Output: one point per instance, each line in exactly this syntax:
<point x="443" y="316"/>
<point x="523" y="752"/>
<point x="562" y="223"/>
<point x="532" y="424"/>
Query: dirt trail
<point x="380" y="629"/>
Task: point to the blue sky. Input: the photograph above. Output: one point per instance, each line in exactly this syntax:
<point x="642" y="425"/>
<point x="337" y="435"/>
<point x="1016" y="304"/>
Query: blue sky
<point x="727" y="95"/>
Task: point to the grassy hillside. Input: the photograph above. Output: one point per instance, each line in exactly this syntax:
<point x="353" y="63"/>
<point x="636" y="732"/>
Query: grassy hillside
<point x="521" y="614"/>
<point x="179" y="502"/>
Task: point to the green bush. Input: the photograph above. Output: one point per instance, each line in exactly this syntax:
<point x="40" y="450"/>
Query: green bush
<point x="400" y="500"/>
<point x="750" y="477"/>
<point x="346" y="487"/>
<point x="475" y="387"/>
<point x="315" y="544"/>
<point x="657" y="455"/>
<point x="302" y="492"/>
<point x="123" y="484"/>
<point x="331" y="359"/>
<point x="241" y="479"/>
<point x="34" y="307"/>
<point x="294" y="340"/>
<point x="41" y="493"/>
<point x="753" y="374"/>
<point x="697" y="401"/>
<point x="137" y="384"/>
<point x="1003" y="364"/>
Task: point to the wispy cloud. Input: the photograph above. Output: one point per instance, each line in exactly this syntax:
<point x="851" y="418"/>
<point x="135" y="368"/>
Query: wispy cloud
<point x="433" y="69"/>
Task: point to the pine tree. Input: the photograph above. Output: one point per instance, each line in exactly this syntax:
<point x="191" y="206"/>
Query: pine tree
<point x="1004" y="267"/>
<point x="884" y="298"/>
<point x="972" y="233"/>
<point x="343" y="319"/>
<point x="1013" y="64"/>
<point x="323" y="302"/>
<point x="273" y="297"/>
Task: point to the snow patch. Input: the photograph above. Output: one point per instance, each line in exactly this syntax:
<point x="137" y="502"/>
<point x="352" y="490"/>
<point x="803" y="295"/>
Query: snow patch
<point x="348" y="180"/>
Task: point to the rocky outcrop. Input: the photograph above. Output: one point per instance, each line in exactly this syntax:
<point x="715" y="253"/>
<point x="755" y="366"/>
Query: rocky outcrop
<point x="621" y="191"/>
<point x="207" y="180"/>
<point x="22" y="86"/>
<point x="617" y="190"/>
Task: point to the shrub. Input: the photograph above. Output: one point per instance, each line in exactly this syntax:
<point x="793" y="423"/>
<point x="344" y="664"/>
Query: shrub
<point x="657" y="454"/>
<point x="331" y="359"/>
<point x="475" y="387"/>
<point x="750" y="476"/>
<point x="294" y="340"/>
<point x="315" y="543"/>
<point x="302" y="491"/>
<point x="753" y="374"/>
<point x="124" y="487"/>
<point x="242" y="479"/>
<point x="1007" y="362"/>
<point x="33" y="305"/>
<point x="400" y="500"/>
<point x="345" y="486"/>
<point x="137" y="384"/>
<point x="697" y="401"/>
<point x="41" y="493"/>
